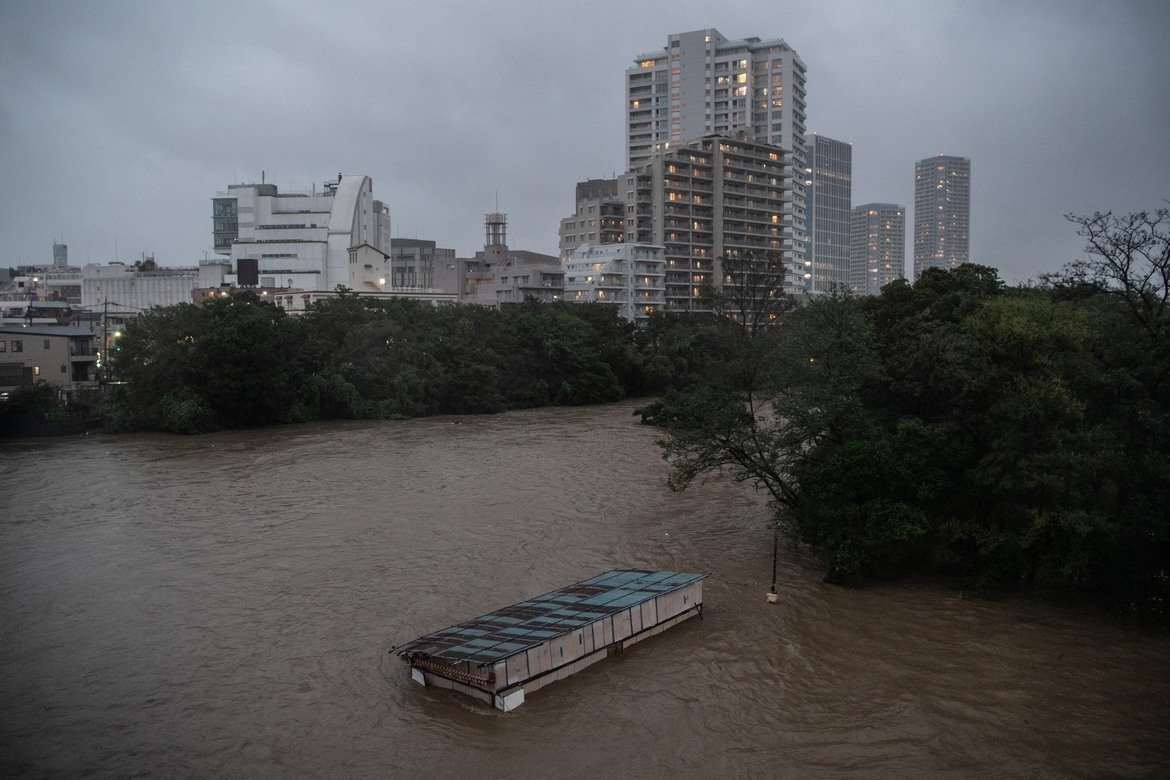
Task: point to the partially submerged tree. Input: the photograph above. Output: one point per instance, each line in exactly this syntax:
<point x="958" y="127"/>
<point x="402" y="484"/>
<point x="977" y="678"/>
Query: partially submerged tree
<point x="784" y="377"/>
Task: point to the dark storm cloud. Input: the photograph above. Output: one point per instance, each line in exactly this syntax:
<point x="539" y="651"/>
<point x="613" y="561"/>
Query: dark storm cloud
<point x="122" y="120"/>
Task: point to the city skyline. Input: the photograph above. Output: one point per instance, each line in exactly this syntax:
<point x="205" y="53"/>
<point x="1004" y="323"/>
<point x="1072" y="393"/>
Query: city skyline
<point x="120" y="123"/>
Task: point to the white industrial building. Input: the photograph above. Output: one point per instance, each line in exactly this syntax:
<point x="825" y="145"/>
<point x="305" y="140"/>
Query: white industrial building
<point x="301" y="241"/>
<point x="115" y="287"/>
<point x="124" y="288"/>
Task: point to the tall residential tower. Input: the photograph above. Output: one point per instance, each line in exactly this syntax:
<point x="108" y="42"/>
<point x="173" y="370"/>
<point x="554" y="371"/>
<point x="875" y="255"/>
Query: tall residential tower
<point x="828" y="186"/>
<point x="942" y="213"/>
<point x="703" y="84"/>
<point x="877" y="254"/>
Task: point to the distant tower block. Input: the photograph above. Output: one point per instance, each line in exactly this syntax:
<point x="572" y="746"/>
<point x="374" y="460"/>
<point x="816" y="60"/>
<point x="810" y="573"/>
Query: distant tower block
<point x="60" y="255"/>
<point x="497" y="229"/>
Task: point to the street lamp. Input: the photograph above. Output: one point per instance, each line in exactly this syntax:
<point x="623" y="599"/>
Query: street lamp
<point x="773" y="596"/>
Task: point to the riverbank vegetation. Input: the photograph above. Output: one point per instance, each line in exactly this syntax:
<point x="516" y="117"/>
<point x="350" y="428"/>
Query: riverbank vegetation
<point x="1007" y="436"/>
<point x="240" y="361"/>
<point x="41" y="410"/>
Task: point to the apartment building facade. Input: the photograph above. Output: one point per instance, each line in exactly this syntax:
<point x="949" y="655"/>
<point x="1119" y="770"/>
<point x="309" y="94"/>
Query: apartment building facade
<point x="702" y="83"/>
<point x="707" y="199"/>
<point x="942" y="213"/>
<point x="828" y="187"/>
<point x="599" y="217"/>
<point x="629" y="277"/>
<point x="877" y="252"/>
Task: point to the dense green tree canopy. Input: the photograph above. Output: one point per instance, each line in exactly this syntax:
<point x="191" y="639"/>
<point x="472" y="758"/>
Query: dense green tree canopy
<point x="1003" y="436"/>
<point x="239" y="361"/>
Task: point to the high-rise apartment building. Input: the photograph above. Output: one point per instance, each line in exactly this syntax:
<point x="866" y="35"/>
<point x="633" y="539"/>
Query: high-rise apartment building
<point x="877" y="254"/>
<point x="598" y="219"/>
<point x="701" y="83"/>
<point x="828" y="187"/>
<point x="942" y="213"/>
<point x="708" y="199"/>
<point x="60" y="255"/>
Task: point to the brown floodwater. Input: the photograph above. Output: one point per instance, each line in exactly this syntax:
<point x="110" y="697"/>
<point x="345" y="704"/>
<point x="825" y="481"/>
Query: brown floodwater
<point x="224" y="606"/>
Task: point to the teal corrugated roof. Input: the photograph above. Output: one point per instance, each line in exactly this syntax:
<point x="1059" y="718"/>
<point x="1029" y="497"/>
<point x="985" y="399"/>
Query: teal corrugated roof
<point x="486" y="639"/>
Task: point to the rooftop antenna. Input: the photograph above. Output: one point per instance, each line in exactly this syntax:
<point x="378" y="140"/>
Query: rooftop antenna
<point x="261" y="176"/>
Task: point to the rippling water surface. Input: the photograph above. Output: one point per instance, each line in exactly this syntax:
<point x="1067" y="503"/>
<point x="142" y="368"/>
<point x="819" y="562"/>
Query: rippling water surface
<point x="224" y="606"/>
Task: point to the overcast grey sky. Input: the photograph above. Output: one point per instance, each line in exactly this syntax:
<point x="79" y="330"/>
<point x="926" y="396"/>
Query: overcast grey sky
<point x="122" y="119"/>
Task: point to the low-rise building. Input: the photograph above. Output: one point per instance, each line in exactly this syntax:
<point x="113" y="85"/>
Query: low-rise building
<point x="630" y="277"/>
<point x="63" y="356"/>
<point x="127" y="288"/>
<point x="418" y="264"/>
<point x="499" y="275"/>
<point x="36" y="312"/>
<point x="297" y="302"/>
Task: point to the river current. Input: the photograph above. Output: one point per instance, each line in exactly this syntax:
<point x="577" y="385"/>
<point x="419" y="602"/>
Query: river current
<point x="224" y="606"/>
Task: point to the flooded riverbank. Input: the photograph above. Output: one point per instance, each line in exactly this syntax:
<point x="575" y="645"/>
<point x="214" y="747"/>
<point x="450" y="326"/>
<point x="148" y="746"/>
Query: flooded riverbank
<point x="224" y="605"/>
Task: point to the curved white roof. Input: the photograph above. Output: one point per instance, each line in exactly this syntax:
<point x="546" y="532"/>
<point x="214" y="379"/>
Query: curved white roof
<point x="343" y="216"/>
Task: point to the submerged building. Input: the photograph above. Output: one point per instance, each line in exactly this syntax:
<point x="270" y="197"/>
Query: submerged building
<point x="505" y="655"/>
